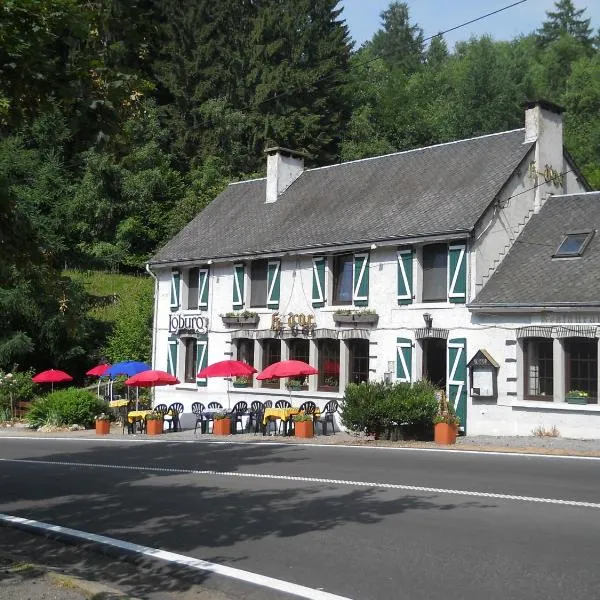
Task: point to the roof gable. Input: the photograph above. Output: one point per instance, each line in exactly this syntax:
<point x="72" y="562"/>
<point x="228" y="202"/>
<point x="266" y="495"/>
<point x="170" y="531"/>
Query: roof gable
<point x="427" y="191"/>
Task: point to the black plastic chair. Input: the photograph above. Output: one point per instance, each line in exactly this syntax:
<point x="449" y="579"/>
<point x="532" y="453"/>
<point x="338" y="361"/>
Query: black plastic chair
<point x="197" y="408"/>
<point x="175" y="410"/>
<point x="328" y="416"/>
<point x="239" y="409"/>
<point x="257" y="410"/>
<point x="268" y="404"/>
<point x="283" y="404"/>
<point x="209" y="420"/>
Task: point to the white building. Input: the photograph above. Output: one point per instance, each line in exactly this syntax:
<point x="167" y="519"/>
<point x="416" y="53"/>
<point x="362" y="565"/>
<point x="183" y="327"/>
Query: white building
<point x="410" y="265"/>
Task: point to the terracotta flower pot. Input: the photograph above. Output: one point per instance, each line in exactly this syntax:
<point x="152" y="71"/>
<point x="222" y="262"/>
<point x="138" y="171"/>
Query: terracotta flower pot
<point x="303" y="429"/>
<point x="154" y="427"/>
<point x="102" y="427"/>
<point x="222" y="427"/>
<point x="445" y="433"/>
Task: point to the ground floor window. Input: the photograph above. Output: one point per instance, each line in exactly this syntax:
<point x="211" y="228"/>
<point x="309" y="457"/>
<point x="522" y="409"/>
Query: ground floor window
<point x="359" y="361"/>
<point x="191" y="359"/>
<point x="271" y="354"/>
<point x="329" y="365"/>
<point x="539" y="368"/>
<point x="245" y="351"/>
<point x="582" y="366"/>
<point x="300" y="350"/>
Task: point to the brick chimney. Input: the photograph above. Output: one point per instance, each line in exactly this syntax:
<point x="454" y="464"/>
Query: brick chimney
<point x="283" y="168"/>
<point x="544" y="125"/>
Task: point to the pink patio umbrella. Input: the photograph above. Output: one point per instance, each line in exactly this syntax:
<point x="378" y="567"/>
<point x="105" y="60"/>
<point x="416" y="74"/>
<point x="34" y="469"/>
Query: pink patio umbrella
<point x="51" y="376"/>
<point x="227" y="368"/>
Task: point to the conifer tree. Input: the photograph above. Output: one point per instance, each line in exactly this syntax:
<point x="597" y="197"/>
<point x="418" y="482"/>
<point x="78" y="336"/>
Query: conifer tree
<point x="565" y="19"/>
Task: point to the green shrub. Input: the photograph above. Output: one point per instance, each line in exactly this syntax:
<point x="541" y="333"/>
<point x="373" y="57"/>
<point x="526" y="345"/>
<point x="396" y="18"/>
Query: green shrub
<point x="66" y="407"/>
<point x="15" y="387"/>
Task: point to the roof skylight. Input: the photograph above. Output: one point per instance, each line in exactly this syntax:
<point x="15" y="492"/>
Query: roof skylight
<point x="573" y="244"/>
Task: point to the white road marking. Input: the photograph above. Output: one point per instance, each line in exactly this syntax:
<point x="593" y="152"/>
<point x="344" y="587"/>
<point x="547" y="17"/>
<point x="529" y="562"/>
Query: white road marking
<point x="343" y="482"/>
<point x="146" y="440"/>
<point x="171" y="557"/>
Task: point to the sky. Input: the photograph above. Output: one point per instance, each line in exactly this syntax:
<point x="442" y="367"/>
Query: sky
<point x="362" y="17"/>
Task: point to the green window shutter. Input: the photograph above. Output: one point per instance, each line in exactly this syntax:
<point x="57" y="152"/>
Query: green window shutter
<point x="405" y="276"/>
<point x="175" y="289"/>
<point x="201" y="359"/>
<point x="403" y="360"/>
<point x="318" y="282"/>
<point x="172" y="356"/>
<point x="203" y="283"/>
<point x="360" y="292"/>
<point x="238" y="286"/>
<point x="457" y="273"/>
<point x="273" y="276"/>
<point x="457" y="378"/>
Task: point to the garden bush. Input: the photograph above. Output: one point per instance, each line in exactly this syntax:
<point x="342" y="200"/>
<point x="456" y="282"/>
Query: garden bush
<point x="66" y="407"/>
<point x="377" y="406"/>
<point x="15" y="387"/>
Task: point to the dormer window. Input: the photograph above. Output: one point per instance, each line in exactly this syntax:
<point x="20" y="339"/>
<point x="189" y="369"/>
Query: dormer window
<point x="573" y="244"/>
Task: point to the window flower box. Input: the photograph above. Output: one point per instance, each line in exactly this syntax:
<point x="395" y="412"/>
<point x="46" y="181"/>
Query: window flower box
<point x="242" y="382"/>
<point x="243" y="318"/>
<point x="576" y="397"/>
<point x="355" y="318"/>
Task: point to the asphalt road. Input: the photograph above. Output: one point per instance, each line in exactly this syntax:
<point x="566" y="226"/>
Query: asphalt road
<point x="344" y="520"/>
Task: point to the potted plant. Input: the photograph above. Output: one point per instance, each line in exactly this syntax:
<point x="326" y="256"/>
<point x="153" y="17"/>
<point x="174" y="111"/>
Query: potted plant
<point x="330" y="384"/>
<point x="154" y="423"/>
<point x="294" y="385"/>
<point x="221" y="424"/>
<point x="242" y="382"/>
<point x="102" y="424"/>
<point x="303" y="425"/>
<point x="577" y="397"/>
<point x="245" y="317"/>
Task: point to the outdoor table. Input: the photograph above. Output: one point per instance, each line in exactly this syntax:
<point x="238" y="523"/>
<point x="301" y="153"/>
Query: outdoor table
<point x="138" y="415"/>
<point x="118" y="403"/>
<point x="285" y="414"/>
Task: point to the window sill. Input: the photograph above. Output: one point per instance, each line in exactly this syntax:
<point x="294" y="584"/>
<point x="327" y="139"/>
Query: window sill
<point x="564" y="406"/>
<point x="272" y="392"/>
<point x="186" y="386"/>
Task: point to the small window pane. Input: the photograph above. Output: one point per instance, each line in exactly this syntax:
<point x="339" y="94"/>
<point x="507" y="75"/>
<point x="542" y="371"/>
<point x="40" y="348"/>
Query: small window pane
<point x="245" y="351"/>
<point x="271" y="354"/>
<point x="359" y="361"/>
<point x="299" y="350"/>
<point x="258" y="283"/>
<point x="573" y="244"/>
<point x="329" y="365"/>
<point x="539" y="369"/>
<point x="193" y="282"/>
<point x="435" y="269"/>
<point x="343" y="279"/>
<point x="191" y="355"/>
<point x="582" y="366"/>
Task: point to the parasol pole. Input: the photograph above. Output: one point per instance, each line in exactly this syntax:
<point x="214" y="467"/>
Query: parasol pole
<point x="137" y="397"/>
<point x="228" y="397"/>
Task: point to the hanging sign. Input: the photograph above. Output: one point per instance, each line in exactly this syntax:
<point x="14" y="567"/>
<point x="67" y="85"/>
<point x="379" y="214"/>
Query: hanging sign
<point x="295" y="322"/>
<point x="188" y="323"/>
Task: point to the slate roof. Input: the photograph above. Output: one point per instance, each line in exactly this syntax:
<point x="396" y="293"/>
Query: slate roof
<point x="435" y="190"/>
<point x="529" y="276"/>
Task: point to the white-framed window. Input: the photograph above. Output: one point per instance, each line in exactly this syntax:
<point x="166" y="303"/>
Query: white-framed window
<point x="342" y="267"/>
<point x="258" y="283"/>
<point x="435" y="273"/>
<point x="538" y="363"/>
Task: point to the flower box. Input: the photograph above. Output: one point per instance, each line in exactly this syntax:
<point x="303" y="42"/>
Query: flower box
<point x="576" y="399"/>
<point x="102" y="427"/>
<point x="356" y="318"/>
<point x="241" y="385"/>
<point x="222" y="426"/>
<point x="240" y="320"/>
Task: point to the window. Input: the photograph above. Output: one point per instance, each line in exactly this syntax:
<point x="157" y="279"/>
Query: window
<point x="538" y="356"/>
<point x="435" y="269"/>
<point x="191" y="356"/>
<point x="271" y="354"/>
<point x="299" y="350"/>
<point x="573" y="244"/>
<point x="329" y="365"/>
<point x="258" y="283"/>
<point x="359" y="361"/>
<point x="193" y="284"/>
<point x="343" y="279"/>
<point x="582" y="366"/>
<point x="245" y="351"/>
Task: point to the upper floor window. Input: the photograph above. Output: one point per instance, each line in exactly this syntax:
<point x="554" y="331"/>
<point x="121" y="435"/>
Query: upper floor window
<point x="435" y="273"/>
<point x="193" y="285"/>
<point x="258" y="283"/>
<point x="343" y="278"/>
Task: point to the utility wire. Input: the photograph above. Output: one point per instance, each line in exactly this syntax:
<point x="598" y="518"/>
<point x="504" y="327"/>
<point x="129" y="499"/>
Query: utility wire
<point x="366" y="62"/>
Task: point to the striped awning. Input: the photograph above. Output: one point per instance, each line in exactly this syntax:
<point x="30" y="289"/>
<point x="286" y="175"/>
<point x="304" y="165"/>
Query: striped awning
<point x="247" y="334"/>
<point x="325" y="333"/>
<point x="431" y="332"/>
<point x="264" y="334"/>
<point x="354" y="334"/>
<point x="534" y="331"/>
<point x="567" y="331"/>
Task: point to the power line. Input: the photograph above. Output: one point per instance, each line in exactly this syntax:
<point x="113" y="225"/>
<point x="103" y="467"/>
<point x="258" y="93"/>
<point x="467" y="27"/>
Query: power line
<point x="366" y="62"/>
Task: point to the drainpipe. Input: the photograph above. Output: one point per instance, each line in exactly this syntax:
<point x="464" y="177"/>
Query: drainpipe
<point x="154" y="316"/>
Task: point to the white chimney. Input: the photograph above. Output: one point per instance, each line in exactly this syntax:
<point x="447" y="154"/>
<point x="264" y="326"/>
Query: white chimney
<point x="283" y="168"/>
<point x="544" y="125"/>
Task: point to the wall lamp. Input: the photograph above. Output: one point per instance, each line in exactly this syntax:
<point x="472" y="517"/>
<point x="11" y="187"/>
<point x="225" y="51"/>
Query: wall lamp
<point x="428" y="320"/>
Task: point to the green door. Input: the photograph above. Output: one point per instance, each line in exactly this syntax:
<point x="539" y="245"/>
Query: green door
<point x="457" y="379"/>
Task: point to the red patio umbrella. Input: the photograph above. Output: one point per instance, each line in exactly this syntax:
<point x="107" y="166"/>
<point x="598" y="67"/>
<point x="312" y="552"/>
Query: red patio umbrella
<point x="287" y="368"/>
<point x="151" y="378"/>
<point x="51" y="376"/>
<point x="227" y="368"/>
<point x="98" y="370"/>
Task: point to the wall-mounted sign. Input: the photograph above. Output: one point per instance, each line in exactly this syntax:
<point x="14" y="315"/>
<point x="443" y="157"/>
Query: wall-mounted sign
<point x="295" y="322"/>
<point x="188" y="323"/>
